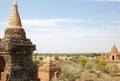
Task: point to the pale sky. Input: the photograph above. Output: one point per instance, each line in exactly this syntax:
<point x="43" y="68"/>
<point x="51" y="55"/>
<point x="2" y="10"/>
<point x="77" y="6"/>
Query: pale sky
<point x="67" y="26"/>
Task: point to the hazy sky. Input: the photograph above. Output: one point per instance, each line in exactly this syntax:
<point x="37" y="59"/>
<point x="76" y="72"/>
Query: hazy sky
<point x="67" y="26"/>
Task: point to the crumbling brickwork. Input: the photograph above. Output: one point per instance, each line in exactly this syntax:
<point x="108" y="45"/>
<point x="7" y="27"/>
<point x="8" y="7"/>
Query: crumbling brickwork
<point x="16" y="52"/>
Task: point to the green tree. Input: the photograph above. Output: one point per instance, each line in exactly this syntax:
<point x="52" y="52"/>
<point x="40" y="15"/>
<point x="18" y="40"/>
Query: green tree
<point x="36" y="62"/>
<point x="83" y="61"/>
<point x="41" y="58"/>
<point x="56" y="57"/>
<point x="89" y="65"/>
<point x="101" y="65"/>
<point x="75" y="58"/>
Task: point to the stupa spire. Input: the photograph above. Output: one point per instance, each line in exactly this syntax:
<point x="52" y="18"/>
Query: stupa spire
<point x="15" y="2"/>
<point x="14" y="28"/>
<point x="114" y="49"/>
<point x="15" y="21"/>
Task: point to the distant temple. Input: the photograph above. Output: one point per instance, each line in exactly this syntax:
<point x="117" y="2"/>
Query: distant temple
<point x="49" y="71"/>
<point x="16" y="52"/>
<point x="113" y="56"/>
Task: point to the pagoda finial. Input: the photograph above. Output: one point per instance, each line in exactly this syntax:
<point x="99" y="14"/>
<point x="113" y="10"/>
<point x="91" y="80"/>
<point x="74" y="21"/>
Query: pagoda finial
<point x="114" y="49"/>
<point x="15" y="20"/>
<point x="15" y="2"/>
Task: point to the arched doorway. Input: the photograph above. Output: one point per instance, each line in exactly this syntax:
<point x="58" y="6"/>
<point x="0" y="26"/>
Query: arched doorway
<point x="113" y="57"/>
<point x="2" y="65"/>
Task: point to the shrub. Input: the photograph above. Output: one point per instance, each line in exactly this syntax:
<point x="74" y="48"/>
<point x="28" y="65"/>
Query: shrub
<point x="101" y="65"/>
<point x="41" y="58"/>
<point x="83" y="61"/>
<point x="36" y="62"/>
<point x="75" y="58"/>
<point x="56" y="57"/>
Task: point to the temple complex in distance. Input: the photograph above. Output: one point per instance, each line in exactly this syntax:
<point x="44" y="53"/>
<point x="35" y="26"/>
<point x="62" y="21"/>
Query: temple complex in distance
<point x="16" y="52"/>
<point x="113" y="56"/>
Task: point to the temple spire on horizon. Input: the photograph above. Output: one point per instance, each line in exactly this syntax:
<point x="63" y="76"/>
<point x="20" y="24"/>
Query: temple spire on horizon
<point x="114" y="49"/>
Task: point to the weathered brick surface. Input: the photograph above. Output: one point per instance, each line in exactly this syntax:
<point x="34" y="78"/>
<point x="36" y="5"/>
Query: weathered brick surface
<point x="16" y="51"/>
<point x="49" y="71"/>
